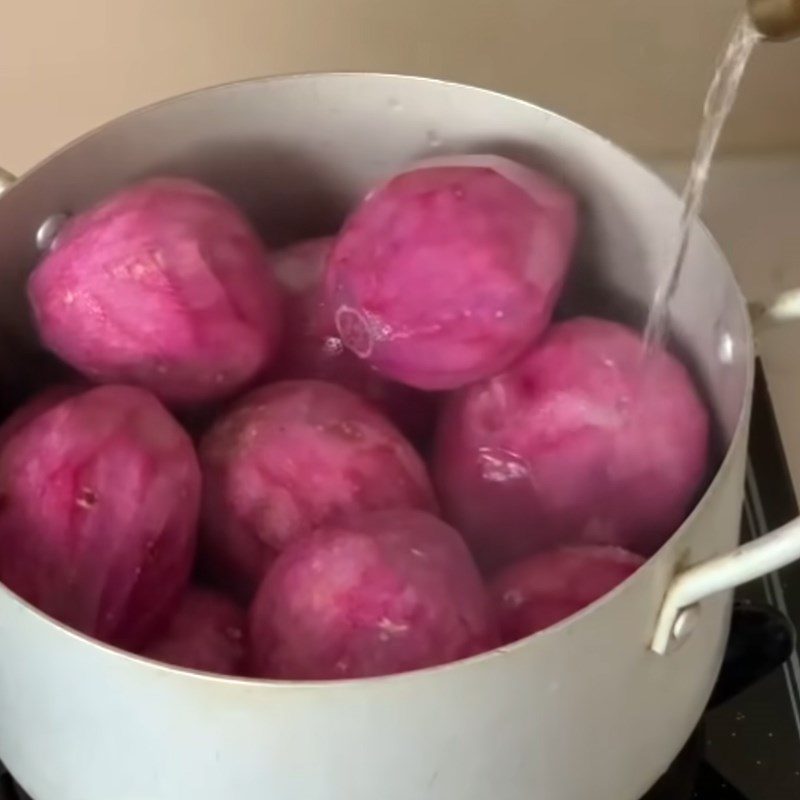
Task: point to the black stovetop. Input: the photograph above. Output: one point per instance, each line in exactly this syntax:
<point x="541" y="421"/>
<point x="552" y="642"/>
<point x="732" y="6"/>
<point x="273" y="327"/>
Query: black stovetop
<point x="748" y="744"/>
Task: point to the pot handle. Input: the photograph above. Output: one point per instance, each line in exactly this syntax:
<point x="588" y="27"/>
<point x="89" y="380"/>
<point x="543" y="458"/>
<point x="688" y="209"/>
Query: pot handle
<point x="784" y="307"/>
<point x="753" y="560"/>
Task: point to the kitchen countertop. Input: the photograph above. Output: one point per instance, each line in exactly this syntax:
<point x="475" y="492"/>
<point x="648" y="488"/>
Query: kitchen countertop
<point x="753" y="209"/>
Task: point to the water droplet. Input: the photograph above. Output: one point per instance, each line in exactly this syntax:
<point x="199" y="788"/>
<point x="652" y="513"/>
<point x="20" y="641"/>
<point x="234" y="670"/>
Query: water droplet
<point x="332" y="346"/>
<point x="390" y="628"/>
<point x="345" y="430"/>
<point x="434" y="140"/>
<point x="86" y="498"/>
<point x="354" y="331"/>
<point x="513" y="598"/>
<point x="499" y="466"/>
<point x="395" y="104"/>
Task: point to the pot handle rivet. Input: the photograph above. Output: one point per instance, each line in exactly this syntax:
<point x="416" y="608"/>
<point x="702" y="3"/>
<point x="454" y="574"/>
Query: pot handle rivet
<point x="49" y="230"/>
<point x="685" y="624"/>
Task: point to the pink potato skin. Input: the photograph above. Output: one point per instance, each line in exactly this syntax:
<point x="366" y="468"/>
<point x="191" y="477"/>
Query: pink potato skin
<point x="448" y="272"/>
<point x="581" y="441"/>
<point x="384" y="592"/>
<point x="288" y="458"/>
<point x="206" y="633"/>
<point x="99" y="500"/>
<point x="548" y="587"/>
<point x="312" y="347"/>
<point x="162" y="285"/>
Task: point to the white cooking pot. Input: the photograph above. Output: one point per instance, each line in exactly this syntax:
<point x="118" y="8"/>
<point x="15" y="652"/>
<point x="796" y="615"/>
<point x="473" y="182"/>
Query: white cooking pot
<point x="592" y="709"/>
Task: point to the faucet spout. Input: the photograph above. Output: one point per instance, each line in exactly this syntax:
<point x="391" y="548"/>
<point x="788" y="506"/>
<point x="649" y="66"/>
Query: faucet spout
<point x="777" y="20"/>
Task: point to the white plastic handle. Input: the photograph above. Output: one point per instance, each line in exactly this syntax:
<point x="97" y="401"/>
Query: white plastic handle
<point x="748" y="562"/>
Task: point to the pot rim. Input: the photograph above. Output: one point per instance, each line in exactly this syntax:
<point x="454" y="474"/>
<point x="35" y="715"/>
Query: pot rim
<point x="497" y="653"/>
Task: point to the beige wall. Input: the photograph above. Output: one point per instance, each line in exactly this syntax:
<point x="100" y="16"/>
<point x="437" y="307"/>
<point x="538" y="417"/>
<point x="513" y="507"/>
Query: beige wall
<point x="633" y="69"/>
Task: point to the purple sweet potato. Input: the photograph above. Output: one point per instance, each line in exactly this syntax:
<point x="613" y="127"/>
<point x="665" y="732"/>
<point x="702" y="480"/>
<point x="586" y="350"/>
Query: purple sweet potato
<point x="288" y="458"/>
<point x="449" y="271"/>
<point x="205" y="633"/>
<point x="312" y="347"/>
<point x="383" y="592"/>
<point x="163" y="285"/>
<point x="545" y="588"/>
<point x="581" y="441"/>
<point x="99" y="500"/>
